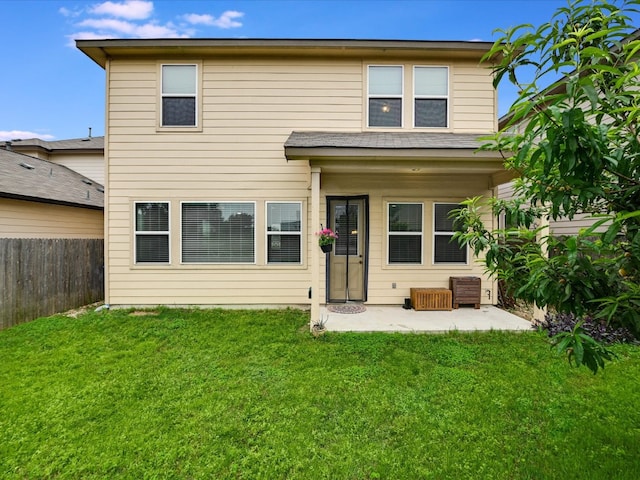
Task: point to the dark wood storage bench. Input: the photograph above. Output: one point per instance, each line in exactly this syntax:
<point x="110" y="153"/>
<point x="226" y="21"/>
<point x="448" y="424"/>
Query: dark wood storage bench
<point x="465" y="290"/>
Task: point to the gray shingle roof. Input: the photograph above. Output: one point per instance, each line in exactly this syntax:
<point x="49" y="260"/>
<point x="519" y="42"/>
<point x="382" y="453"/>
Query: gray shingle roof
<point x="383" y="140"/>
<point x="28" y="178"/>
<point x="86" y="143"/>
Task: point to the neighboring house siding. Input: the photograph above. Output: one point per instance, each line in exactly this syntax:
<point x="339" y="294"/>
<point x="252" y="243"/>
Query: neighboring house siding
<point x="560" y="227"/>
<point x="249" y="109"/>
<point x="22" y="219"/>
<point x="91" y="166"/>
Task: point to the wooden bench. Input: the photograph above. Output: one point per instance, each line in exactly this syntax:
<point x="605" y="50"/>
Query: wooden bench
<point x="431" y="298"/>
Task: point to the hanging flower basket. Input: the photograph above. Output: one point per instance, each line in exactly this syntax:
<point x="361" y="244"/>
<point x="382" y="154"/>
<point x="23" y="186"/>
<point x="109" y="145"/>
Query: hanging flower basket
<point x="326" y="239"/>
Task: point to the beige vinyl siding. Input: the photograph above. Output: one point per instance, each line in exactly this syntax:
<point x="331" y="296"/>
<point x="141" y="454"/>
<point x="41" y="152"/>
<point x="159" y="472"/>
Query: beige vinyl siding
<point x="22" y="219"/>
<point x="89" y="165"/>
<point x="473" y="104"/>
<point x="249" y="108"/>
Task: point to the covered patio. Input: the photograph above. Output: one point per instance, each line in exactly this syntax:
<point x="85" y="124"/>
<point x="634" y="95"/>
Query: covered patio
<point x="385" y="318"/>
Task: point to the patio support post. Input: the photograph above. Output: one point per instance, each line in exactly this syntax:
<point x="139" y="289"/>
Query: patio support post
<point x="540" y="312"/>
<point x="315" y="250"/>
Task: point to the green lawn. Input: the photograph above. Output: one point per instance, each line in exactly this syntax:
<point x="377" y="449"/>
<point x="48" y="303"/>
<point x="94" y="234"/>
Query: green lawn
<point x="252" y="395"/>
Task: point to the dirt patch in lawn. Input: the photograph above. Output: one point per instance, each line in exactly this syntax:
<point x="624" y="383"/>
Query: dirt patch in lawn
<point x="76" y="312"/>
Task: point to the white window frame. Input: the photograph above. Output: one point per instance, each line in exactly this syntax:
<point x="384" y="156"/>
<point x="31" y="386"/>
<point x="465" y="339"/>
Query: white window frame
<point x="150" y="232"/>
<point x="401" y="96"/>
<point x="195" y="95"/>
<point x="449" y="234"/>
<point x="255" y="232"/>
<point x="431" y="97"/>
<point x="270" y="233"/>
<point x="390" y="233"/>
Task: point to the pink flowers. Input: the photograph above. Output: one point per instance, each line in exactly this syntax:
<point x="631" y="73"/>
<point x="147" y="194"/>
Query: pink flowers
<point x="326" y="236"/>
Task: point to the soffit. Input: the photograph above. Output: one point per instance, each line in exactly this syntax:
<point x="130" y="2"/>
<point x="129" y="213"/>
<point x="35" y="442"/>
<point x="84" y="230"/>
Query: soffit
<point x="101" y="50"/>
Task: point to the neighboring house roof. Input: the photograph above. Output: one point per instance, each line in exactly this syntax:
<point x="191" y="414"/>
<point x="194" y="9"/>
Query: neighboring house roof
<point x="101" y="50"/>
<point x="74" y="144"/>
<point x="23" y="177"/>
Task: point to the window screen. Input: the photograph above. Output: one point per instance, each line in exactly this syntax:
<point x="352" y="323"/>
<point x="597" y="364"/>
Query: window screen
<point x="179" y="85"/>
<point x="284" y="232"/>
<point x="221" y="232"/>
<point x="385" y="96"/>
<point x="151" y="232"/>
<point x="405" y="233"/>
<point x="446" y="249"/>
<point x="431" y="90"/>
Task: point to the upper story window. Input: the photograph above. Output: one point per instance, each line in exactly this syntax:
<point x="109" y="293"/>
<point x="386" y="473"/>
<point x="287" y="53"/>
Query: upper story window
<point x="385" y="96"/>
<point x="431" y="96"/>
<point x="179" y="102"/>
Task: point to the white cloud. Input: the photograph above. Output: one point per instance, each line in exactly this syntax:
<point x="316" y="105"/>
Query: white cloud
<point x="129" y="9"/>
<point x="109" y="24"/>
<point x="226" y="19"/>
<point x="132" y="19"/>
<point x="151" y="30"/>
<point x="223" y="21"/>
<point x="69" y="13"/>
<point x="22" y="134"/>
<point x="197" y="19"/>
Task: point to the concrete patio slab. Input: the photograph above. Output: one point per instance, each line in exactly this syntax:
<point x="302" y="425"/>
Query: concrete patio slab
<point x="396" y="319"/>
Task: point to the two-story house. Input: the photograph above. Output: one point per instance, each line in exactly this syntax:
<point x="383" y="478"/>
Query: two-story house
<point x="224" y="157"/>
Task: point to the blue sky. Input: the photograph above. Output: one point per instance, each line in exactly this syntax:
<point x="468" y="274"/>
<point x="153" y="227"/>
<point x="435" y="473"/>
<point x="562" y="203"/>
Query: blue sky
<point x="51" y="90"/>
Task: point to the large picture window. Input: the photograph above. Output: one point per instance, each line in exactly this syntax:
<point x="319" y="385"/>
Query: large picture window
<point x="431" y="91"/>
<point x="151" y="232"/>
<point x="179" y="102"/>
<point x="385" y="96"/>
<point x="284" y="232"/>
<point x="218" y="232"/>
<point x="445" y="248"/>
<point x="405" y="233"/>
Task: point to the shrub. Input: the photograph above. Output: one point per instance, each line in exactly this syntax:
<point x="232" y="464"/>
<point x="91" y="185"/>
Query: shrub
<point x="598" y="329"/>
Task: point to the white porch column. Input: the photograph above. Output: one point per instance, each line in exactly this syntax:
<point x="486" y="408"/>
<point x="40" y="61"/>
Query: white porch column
<point x="538" y="312"/>
<point x="316" y="274"/>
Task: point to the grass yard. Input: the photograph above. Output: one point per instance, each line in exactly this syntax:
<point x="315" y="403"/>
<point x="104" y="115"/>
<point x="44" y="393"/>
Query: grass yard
<point x="252" y="395"/>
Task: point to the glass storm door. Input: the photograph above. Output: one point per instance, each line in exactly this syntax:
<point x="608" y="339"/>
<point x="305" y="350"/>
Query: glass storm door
<point x="348" y="261"/>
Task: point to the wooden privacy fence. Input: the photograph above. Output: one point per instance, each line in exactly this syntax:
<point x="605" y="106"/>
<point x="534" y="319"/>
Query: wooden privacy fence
<point x="40" y="277"/>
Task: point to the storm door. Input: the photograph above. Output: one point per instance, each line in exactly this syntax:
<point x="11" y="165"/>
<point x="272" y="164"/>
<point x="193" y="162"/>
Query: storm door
<point x="347" y="263"/>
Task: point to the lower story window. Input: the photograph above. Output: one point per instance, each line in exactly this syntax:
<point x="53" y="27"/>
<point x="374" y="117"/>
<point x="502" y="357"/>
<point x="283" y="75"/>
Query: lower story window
<point x="405" y="233"/>
<point x="218" y="232"/>
<point x="151" y="232"/>
<point x="284" y="232"/>
<point x="445" y="248"/>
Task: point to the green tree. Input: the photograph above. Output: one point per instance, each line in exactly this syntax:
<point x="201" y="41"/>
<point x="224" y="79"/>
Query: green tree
<point x="572" y="138"/>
